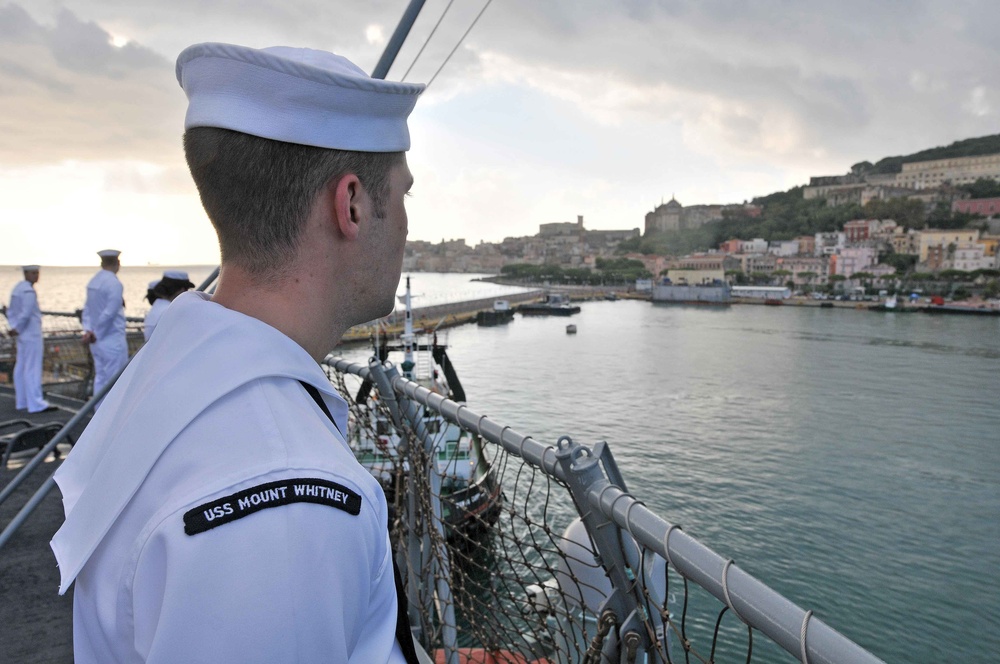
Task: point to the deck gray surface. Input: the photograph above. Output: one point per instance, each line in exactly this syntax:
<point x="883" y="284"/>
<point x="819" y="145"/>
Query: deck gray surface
<point x="36" y="624"/>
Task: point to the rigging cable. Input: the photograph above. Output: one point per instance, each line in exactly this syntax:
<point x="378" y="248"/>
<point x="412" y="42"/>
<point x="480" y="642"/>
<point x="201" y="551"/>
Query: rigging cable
<point x="459" y="43"/>
<point x="428" y="40"/>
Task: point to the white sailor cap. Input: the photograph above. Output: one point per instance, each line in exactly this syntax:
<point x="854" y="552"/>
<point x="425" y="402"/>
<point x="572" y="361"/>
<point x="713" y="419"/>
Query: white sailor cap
<point x="109" y="253"/>
<point x="295" y="95"/>
<point x="176" y="274"/>
<point x="30" y="268"/>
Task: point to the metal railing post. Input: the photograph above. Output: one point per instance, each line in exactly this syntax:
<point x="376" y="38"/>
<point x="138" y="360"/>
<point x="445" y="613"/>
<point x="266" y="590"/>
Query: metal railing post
<point x="582" y="469"/>
<point x="440" y="568"/>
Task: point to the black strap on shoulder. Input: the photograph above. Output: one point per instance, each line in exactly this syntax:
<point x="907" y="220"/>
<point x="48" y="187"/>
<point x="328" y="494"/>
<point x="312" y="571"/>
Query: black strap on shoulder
<point x="314" y="393"/>
<point x="403" y="634"/>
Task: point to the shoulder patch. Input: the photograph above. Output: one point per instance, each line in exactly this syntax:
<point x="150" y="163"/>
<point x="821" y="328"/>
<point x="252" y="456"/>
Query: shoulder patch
<point x="273" y="494"/>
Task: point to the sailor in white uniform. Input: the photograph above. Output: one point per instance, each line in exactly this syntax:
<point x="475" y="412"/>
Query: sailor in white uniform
<point x="149" y="322"/>
<point x="160" y="294"/>
<point x="236" y="525"/>
<point x="104" y="320"/>
<point x="25" y="318"/>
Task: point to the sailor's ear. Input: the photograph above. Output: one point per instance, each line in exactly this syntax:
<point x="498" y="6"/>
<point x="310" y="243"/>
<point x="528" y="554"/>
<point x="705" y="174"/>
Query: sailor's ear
<point x="349" y="199"/>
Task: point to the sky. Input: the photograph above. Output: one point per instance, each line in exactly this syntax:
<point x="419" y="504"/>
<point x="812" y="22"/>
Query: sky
<point x="546" y="111"/>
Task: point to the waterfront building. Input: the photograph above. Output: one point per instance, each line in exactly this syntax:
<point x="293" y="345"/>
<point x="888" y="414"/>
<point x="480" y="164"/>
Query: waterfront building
<point x="758" y="263"/>
<point x="954" y="170"/>
<point x="807" y="245"/>
<point x="991" y="244"/>
<point x="561" y="228"/>
<point x="672" y="216"/>
<point x="666" y="217"/>
<point x="733" y="246"/>
<point x="705" y="261"/>
<point x="971" y="256"/>
<point x="933" y="237"/>
<point x="984" y="206"/>
<point x="905" y="241"/>
<point x="695" y="277"/>
<point x="853" y="259"/>
<point x="761" y="292"/>
<point x="827" y="186"/>
<point x="883" y="192"/>
<point x="754" y="246"/>
<point x="818" y="267"/>
<point x="783" y="248"/>
<point x="857" y="231"/>
<point x="828" y="244"/>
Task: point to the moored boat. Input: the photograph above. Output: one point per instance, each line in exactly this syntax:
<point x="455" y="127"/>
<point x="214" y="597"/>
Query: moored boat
<point x="555" y="304"/>
<point x="470" y="495"/>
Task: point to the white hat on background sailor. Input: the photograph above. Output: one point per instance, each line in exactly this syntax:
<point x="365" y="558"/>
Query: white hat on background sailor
<point x="109" y="253"/>
<point x="30" y="268"/>
<point x="295" y="95"/>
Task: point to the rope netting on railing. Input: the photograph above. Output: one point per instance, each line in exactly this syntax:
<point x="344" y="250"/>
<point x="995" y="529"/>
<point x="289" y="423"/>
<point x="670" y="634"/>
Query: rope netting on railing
<point x="526" y="552"/>
<point x="67" y="367"/>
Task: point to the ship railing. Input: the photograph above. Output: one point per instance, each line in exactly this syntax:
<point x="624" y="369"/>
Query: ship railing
<point x="67" y="366"/>
<point x="554" y="560"/>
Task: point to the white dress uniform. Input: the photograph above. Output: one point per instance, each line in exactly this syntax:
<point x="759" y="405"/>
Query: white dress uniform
<point x="153" y="317"/>
<point x="104" y="315"/>
<point x="215" y="514"/>
<point x="25" y="316"/>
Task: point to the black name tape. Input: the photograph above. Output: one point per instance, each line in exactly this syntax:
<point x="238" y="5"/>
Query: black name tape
<point x="273" y="494"/>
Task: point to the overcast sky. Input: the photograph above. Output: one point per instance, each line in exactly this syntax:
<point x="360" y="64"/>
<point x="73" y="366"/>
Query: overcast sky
<point x="550" y="108"/>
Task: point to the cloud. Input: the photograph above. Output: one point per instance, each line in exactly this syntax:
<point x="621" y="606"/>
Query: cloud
<point x="978" y="103"/>
<point x="69" y="94"/>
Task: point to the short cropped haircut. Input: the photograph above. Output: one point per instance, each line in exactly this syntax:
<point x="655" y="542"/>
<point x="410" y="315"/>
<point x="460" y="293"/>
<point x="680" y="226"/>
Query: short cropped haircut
<point x="258" y="192"/>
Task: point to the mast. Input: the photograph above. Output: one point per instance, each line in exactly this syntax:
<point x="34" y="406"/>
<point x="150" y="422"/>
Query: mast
<point x="407" y="337"/>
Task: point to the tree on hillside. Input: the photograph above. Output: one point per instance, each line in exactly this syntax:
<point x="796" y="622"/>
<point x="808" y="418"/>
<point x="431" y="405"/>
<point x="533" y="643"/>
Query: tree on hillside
<point x="908" y="212"/>
<point x="982" y="188"/>
<point x="902" y="262"/>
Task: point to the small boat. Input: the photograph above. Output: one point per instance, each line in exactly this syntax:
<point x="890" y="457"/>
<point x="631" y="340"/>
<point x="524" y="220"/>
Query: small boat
<point x="571" y="329"/>
<point x="555" y="304"/>
<point x="500" y="314"/>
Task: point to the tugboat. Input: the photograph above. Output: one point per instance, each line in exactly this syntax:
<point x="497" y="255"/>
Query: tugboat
<point x="555" y="304"/>
<point x="470" y="494"/>
<point x="500" y="314"/>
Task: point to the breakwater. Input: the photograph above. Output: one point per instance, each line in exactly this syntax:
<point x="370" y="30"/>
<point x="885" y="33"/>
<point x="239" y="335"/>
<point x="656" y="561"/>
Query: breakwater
<point x="434" y="317"/>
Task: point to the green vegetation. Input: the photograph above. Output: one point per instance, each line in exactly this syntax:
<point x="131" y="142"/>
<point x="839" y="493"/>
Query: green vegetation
<point x="902" y="262"/>
<point x="982" y="188"/>
<point x="609" y="271"/>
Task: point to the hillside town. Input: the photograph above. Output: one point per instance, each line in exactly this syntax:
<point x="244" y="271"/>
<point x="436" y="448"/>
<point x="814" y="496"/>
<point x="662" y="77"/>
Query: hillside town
<point x="868" y="250"/>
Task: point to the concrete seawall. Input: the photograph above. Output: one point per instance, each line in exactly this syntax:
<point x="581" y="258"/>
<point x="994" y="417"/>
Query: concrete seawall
<point x="437" y="316"/>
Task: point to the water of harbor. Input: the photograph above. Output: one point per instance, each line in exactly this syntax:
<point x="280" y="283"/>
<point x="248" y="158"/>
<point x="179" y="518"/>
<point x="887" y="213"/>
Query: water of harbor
<point x="848" y="459"/>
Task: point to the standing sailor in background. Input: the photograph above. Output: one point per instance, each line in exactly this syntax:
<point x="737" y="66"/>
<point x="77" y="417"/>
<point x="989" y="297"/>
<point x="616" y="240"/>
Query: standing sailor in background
<point x="104" y="320"/>
<point x="25" y="318"/>
<point x="160" y="294"/>
<point x="152" y="298"/>
<point x="236" y="525"/>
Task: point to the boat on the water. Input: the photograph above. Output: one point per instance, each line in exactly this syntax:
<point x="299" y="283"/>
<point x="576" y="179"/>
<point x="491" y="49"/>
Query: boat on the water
<point x="500" y="314"/>
<point x="554" y="304"/>
<point x="470" y="495"/>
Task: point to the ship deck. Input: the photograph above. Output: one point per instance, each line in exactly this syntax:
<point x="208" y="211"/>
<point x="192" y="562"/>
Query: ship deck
<point x="37" y="622"/>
